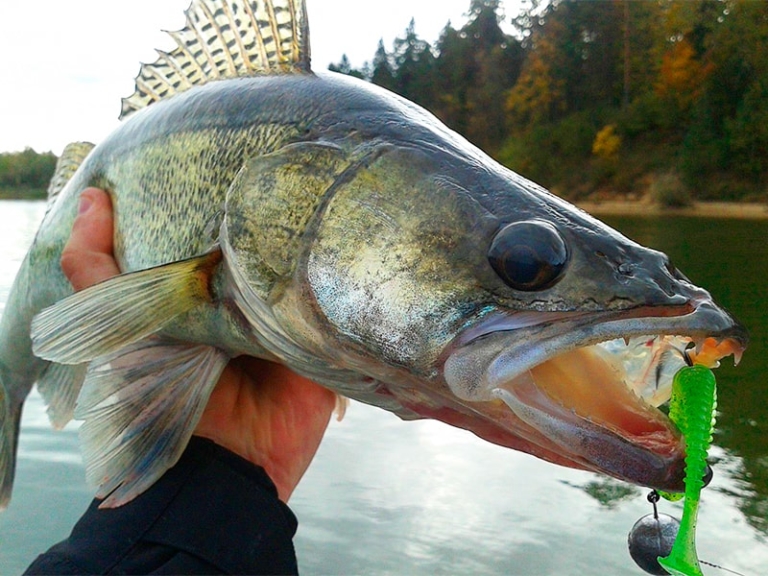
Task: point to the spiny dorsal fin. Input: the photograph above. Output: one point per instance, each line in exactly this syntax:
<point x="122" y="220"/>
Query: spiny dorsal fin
<point x="226" y="39"/>
<point x="68" y="163"/>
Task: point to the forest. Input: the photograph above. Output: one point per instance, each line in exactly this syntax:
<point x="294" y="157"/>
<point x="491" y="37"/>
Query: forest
<point x="603" y="98"/>
<point x="25" y="174"/>
<point x="666" y="99"/>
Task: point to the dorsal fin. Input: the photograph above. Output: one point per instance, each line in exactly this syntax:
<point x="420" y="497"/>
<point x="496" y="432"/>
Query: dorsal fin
<point x="67" y="164"/>
<point x="226" y="39"/>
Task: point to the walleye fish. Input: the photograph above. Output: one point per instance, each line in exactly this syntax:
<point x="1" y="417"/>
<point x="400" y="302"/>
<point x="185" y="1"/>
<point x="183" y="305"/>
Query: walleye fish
<point x="318" y="221"/>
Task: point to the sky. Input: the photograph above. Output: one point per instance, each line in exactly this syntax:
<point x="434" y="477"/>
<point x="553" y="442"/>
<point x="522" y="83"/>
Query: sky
<point x="66" y="64"/>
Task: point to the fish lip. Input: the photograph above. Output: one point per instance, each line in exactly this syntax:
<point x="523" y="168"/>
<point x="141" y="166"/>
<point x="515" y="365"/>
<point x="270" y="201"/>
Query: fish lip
<point x="503" y="348"/>
<point x="559" y="332"/>
<point x="601" y="448"/>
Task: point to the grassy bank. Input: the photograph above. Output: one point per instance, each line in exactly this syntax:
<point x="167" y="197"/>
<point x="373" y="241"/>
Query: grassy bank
<point x="618" y="207"/>
<point x="22" y="193"/>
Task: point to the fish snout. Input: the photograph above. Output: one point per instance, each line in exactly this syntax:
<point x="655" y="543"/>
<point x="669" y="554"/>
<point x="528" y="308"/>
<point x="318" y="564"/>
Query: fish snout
<point x="674" y="481"/>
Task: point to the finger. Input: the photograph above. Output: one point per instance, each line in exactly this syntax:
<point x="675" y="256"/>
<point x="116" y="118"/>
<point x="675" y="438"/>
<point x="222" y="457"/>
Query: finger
<point x="270" y="416"/>
<point x="87" y="258"/>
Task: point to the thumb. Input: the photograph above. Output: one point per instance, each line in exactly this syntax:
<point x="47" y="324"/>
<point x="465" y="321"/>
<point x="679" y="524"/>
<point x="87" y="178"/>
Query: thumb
<point x="87" y="257"/>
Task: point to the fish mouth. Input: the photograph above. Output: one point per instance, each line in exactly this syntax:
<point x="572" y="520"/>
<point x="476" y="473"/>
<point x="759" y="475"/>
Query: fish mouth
<point x="584" y="389"/>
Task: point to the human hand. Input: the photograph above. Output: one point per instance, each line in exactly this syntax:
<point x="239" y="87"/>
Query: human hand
<point x="260" y="410"/>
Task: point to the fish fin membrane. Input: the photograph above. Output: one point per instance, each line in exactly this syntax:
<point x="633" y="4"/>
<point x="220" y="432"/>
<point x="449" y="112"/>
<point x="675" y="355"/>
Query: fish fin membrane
<point x="120" y="311"/>
<point x="140" y="406"/>
<point x="59" y="386"/>
<point x="9" y="433"/>
<point x="226" y="39"/>
<point x="73" y="155"/>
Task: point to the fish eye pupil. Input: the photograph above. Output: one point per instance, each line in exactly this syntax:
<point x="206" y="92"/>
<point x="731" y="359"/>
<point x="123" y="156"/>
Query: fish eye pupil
<point x="523" y="264"/>
<point x="528" y="256"/>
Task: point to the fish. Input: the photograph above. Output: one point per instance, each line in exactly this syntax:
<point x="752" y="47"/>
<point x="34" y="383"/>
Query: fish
<point x="304" y="217"/>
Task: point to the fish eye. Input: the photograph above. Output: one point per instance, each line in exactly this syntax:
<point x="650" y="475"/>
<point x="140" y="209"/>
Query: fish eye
<point x="528" y="256"/>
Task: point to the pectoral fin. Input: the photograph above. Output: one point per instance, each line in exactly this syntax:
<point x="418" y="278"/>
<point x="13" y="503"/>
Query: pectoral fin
<point x="120" y="311"/>
<point x="140" y="407"/>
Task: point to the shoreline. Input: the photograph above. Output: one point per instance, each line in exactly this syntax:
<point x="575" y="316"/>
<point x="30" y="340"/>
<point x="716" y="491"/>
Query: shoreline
<point x="639" y="208"/>
<point x="736" y="210"/>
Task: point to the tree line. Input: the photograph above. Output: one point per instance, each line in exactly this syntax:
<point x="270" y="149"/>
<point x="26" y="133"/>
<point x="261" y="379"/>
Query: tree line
<point x="586" y="98"/>
<point x="601" y="97"/>
<point x="25" y="174"/>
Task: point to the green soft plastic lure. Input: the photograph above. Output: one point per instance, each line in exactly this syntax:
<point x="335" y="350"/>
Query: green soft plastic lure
<point x="692" y="409"/>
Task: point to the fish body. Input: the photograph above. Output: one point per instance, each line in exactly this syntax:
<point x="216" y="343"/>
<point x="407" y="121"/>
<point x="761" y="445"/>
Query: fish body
<point x="315" y="220"/>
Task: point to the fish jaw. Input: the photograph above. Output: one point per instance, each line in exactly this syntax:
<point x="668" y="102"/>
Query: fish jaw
<point x="584" y="389"/>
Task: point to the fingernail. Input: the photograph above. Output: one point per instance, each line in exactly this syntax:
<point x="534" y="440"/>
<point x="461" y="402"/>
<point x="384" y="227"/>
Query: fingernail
<point x="85" y="203"/>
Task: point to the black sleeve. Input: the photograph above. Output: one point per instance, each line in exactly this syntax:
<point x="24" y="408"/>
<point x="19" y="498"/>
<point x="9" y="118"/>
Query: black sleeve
<point x="212" y="513"/>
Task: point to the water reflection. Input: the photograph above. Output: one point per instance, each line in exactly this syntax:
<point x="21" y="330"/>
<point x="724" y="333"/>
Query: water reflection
<point x="390" y="497"/>
<point x="395" y="505"/>
<point x="17" y="230"/>
<point x="609" y="492"/>
<point x="729" y="258"/>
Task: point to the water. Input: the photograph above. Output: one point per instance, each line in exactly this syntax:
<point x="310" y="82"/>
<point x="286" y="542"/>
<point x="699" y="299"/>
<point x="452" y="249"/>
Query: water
<point x="391" y="497"/>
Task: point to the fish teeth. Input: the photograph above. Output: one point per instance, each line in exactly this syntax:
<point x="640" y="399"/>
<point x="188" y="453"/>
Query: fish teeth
<point x="737" y="356"/>
<point x="627" y="339"/>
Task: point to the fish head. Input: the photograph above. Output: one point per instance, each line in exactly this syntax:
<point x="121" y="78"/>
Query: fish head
<point x="465" y="293"/>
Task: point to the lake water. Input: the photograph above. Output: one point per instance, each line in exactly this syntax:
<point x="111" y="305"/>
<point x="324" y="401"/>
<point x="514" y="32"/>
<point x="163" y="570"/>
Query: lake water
<point x="391" y="497"/>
